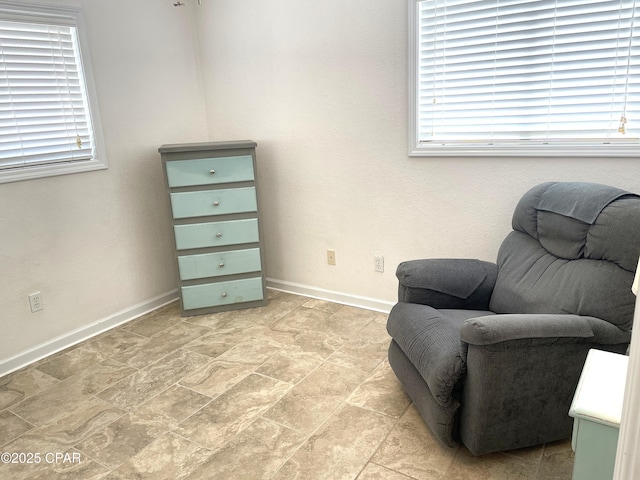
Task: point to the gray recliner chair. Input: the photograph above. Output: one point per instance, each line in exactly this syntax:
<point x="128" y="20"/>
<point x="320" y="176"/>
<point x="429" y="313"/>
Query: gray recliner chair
<point x="490" y="353"/>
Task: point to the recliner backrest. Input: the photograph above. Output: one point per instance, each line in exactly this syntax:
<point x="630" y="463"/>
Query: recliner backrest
<point x="574" y="249"/>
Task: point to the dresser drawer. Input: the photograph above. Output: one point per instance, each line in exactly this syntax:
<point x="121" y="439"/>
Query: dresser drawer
<point x="222" y="293"/>
<point x="213" y="234"/>
<point x="219" y="263"/>
<point x="210" y="171"/>
<point x="213" y="202"/>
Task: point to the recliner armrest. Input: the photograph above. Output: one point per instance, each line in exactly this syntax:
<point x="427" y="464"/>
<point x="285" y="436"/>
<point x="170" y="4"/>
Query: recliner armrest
<point x="524" y="369"/>
<point x="447" y="283"/>
<point x="495" y="329"/>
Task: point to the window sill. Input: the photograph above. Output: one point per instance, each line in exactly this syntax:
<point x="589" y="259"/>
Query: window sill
<point x="573" y="151"/>
<point x="40" y="171"/>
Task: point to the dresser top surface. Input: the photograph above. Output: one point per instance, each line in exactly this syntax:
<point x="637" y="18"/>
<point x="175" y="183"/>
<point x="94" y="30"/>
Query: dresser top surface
<point x="600" y="391"/>
<point x="204" y="146"/>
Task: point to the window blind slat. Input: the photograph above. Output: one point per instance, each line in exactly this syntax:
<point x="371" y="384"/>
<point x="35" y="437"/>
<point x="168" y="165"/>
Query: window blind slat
<point x="44" y="116"/>
<point x="492" y="69"/>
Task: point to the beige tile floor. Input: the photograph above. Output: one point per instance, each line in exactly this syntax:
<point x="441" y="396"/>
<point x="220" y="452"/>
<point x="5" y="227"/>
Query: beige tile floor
<point x="299" y="389"/>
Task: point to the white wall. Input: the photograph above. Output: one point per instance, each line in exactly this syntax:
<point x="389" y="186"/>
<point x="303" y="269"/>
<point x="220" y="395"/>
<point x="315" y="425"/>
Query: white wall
<point x="322" y="88"/>
<point x="99" y="243"/>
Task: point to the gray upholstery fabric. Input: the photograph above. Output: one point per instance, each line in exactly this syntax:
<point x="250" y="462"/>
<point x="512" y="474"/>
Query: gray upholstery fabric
<point x="582" y="201"/>
<point x="517" y="395"/>
<point x="447" y="283"/>
<point x="532" y="280"/>
<point x="611" y="236"/>
<point x="615" y="234"/>
<point x="431" y="342"/>
<point x="443" y="421"/>
<point x="488" y="330"/>
<point x="561" y="236"/>
<point x="502" y="328"/>
<point x="561" y="285"/>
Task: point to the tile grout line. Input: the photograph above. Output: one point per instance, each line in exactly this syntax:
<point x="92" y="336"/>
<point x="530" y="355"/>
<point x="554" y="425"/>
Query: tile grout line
<point x="384" y="440"/>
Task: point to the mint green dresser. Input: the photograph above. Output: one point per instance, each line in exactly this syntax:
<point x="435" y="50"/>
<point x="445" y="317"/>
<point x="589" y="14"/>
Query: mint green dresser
<point x="216" y="225"/>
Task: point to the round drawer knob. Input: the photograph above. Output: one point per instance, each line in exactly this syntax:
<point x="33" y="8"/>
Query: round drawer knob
<point x="216" y="203"/>
<point x="212" y="172"/>
<point x="224" y="294"/>
<point x="218" y="235"/>
<point x="221" y="265"/>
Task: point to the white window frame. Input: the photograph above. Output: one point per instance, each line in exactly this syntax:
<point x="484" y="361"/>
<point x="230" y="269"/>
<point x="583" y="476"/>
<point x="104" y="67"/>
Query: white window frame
<point x="416" y="149"/>
<point x="68" y="16"/>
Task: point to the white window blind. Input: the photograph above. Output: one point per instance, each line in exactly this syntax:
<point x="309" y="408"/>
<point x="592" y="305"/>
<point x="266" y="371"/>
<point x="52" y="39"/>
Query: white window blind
<point x="491" y="73"/>
<point x="45" y="116"/>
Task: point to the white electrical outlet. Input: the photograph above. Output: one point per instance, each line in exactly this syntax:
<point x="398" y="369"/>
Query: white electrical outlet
<point x="35" y="302"/>
<point x="378" y="263"/>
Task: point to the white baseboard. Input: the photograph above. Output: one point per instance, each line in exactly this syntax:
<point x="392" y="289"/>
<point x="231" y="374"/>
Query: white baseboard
<point x="84" y="333"/>
<point x="330" y="295"/>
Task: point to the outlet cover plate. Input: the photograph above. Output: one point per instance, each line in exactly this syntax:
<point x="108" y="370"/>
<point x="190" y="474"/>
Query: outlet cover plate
<point x="35" y="302"/>
<point x="378" y="263"/>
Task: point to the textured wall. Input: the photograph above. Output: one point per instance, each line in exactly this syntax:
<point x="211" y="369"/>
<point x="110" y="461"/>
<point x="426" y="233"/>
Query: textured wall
<point x="97" y="243"/>
<point x="322" y="88"/>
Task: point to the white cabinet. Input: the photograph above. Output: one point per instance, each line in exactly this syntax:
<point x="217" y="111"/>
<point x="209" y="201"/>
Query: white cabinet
<point x="596" y="410"/>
